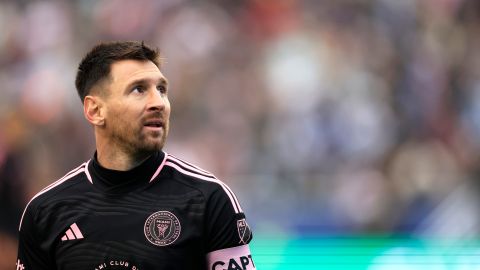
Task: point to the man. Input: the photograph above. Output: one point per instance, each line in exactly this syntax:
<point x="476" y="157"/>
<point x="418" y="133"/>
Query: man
<point x="132" y="206"/>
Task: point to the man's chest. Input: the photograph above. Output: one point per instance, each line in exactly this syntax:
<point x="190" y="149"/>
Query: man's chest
<point x="159" y="232"/>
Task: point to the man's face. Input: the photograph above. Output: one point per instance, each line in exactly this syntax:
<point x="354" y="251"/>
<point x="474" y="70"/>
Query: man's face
<point x="137" y="107"/>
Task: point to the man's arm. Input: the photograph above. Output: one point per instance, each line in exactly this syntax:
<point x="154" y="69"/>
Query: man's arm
<point x="228" y="234"/>
<point x="30" y="254"/>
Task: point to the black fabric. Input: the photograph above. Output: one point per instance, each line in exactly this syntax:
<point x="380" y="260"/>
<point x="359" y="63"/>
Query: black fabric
<point x="113" y="181"/>
<point x="125" y="221"/>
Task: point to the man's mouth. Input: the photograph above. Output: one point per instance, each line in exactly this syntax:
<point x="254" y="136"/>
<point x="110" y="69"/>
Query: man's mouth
<point x="154" y="123"/>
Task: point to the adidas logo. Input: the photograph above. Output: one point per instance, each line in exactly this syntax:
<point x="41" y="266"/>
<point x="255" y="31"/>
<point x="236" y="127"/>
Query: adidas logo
<point x="72" y="233"/>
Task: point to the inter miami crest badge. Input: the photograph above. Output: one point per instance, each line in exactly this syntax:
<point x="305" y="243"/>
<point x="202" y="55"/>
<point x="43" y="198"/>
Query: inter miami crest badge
<point x="244" y="231"/>
<point x="162" y="228"/>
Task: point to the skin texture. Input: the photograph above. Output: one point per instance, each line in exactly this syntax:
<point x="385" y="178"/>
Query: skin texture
<point x="130" y="114"/>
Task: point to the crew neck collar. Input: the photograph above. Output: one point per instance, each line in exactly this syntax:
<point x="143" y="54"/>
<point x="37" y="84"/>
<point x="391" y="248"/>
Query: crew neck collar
<point x="114" y="181"/>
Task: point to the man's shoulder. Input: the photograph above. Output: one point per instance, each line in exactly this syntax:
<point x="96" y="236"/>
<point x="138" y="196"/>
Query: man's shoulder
<point x="192" y="174"/>
<point x="60" y="186"/>
<point x="59" y="189"/>
<point x="203" y="180"/>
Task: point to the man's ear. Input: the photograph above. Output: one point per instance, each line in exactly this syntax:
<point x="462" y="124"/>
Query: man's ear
<point x="94" y="111"/>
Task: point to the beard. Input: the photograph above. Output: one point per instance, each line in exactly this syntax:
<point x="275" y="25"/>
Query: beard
<point x="135" y="139"/>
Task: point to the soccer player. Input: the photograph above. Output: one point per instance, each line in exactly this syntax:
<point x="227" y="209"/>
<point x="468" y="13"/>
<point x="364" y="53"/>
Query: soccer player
<point x="132" y="205"/>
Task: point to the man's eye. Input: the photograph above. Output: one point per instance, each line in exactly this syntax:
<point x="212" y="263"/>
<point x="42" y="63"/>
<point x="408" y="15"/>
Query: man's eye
<point x="162" y="88"/>
<point x="138" y="89"/>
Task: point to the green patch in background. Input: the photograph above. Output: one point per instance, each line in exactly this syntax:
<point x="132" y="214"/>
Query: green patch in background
<point x="364" y="252"/>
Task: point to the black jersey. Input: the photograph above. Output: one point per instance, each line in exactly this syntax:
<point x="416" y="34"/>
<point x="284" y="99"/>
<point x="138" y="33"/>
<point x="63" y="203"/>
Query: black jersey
<point x="163" y="214"/>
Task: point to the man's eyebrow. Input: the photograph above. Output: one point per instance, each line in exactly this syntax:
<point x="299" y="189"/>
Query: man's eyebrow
<point x="160" y="81"/>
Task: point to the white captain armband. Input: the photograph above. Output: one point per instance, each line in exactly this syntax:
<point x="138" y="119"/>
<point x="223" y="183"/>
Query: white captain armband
<point x="235" y="258"/>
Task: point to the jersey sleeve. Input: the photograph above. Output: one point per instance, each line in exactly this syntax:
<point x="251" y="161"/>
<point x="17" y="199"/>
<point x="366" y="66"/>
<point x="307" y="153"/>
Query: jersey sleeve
<point x="228" y="233"/>
<point x="31" y="255"/>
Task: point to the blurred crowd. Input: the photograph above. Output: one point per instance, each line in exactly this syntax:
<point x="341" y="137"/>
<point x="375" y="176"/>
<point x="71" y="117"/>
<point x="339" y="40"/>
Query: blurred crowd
<point x="330" y="117"/>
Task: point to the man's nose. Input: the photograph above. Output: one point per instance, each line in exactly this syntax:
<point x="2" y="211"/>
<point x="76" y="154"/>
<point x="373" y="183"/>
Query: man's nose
<point x="156" y="100"/>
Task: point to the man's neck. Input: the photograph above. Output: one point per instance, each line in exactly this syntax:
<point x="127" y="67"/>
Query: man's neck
<point x="118" y="161"/>
<point x="112" y="158"/>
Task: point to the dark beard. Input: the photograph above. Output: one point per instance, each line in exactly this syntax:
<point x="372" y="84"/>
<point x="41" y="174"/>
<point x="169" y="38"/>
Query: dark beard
<point x="140" y="147"/>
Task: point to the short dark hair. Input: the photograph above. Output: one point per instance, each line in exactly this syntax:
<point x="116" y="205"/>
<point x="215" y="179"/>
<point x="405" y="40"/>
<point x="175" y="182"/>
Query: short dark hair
<point x="95" y="66"/>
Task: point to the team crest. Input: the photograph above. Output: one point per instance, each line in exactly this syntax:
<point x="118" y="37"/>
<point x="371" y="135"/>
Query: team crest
<point x="244" y="232"/>
<point x="162" y="228"/>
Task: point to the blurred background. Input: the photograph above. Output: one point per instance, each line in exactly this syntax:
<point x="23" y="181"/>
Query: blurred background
<point x="349" y="129"/>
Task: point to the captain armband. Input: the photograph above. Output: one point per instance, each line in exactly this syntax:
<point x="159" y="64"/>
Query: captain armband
<point x="231" y="258"/>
